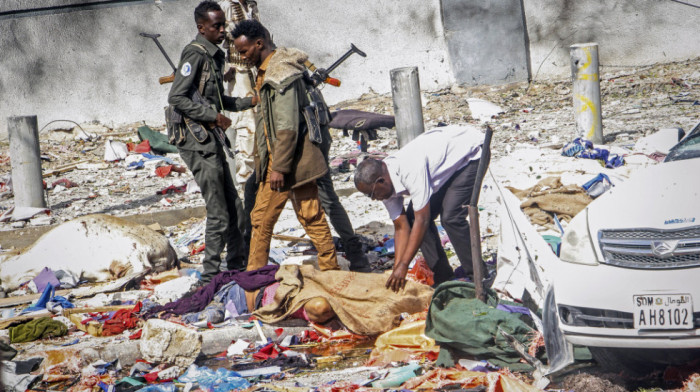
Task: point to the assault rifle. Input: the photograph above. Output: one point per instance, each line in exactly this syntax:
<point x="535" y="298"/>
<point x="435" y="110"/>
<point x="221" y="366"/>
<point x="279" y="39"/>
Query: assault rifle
<point x="321" y="75"/>
<point x="197" y="97"/>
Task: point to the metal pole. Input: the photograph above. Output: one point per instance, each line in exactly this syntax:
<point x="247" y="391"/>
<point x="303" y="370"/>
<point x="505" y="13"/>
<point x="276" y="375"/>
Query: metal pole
<point x="27" y="183"/>
<point x="473" y="211"/>
<point x="586" y="91"/>
<point x="408" y="110"/>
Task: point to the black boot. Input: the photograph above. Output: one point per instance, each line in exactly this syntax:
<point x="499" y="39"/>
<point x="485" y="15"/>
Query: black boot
<point x="355" y="253"/>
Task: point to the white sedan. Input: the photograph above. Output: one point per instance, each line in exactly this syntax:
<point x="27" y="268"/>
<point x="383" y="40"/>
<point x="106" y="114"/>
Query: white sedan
<point x="628" y="280"/>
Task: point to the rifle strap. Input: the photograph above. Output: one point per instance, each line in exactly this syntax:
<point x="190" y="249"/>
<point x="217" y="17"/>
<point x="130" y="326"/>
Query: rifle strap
<point x="206" y="71"/>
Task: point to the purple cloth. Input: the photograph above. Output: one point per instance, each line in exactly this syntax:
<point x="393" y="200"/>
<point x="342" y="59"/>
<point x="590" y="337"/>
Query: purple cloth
<point x="513" y="309"/>
<point x="45" y="277"/>
<point x="248" y="280"/>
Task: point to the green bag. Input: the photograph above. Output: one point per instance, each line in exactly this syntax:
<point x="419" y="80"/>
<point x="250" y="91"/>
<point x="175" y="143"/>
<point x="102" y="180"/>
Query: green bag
<point x="159" y="142"/>
<point x="465" y="327"/>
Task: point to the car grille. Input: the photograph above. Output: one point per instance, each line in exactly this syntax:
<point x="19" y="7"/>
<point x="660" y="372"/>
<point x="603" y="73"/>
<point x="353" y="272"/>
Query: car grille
<point x="602" y="318"/>
<point x="651" y="249"/>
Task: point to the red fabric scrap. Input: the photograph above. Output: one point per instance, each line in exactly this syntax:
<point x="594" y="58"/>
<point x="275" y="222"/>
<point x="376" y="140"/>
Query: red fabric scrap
<point x="269" y="351"/>
<point x="151" y="377"/>
<point x="279" y="331"/>
<point x="136" y="335"/>
<point x="65" y="182"/>
<point x="163" y="171"/>
<point x="142" y="147"/>
<point x="172" y="189"/>
<point x="198" y="249"/>
<point x="122" y="320"/>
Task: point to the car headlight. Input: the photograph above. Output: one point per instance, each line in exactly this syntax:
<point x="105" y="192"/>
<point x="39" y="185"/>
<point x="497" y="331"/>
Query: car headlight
<point x="577" y="244"/>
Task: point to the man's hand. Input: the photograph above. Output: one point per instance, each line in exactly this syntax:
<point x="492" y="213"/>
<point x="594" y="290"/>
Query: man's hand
<point x="397" y="279"/>
<point x="276" y="180"/>
<point x="230" y="74"/>
<point x="222" y="121"/>
<point x="256" y="100"/>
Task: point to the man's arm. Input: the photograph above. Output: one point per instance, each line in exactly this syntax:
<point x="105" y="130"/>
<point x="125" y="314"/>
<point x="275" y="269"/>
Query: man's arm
<point x="407" y="240"/>
<point x="285" y="114"/>
<point x="186" y="79"/>
<point x="233" y="104"/>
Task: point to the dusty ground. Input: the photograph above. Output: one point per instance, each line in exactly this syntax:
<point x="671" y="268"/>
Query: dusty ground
<point x="536" y="117"/>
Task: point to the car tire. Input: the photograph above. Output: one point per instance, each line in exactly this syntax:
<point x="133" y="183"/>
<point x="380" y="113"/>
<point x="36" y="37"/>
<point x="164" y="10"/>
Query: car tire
<point x="639" y="361"/>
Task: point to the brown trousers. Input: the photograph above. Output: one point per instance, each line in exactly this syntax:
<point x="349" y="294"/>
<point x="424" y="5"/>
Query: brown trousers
<point x="268" y="207"/>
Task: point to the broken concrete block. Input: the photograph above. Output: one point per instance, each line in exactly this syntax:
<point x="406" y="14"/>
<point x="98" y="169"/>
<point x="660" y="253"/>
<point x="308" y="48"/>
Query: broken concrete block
<point x="98" y="248"/>
<point x="166" y="342"/>
<point x="173" y="290"/>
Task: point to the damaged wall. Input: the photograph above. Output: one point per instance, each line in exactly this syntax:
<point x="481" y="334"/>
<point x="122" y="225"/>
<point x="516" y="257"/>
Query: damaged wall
<point x="486" y="41"/>
<point x="91" y="65"/>
<point x="629" y="32"/>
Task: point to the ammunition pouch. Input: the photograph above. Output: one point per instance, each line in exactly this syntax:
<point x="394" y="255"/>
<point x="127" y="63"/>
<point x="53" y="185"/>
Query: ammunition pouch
<point x="179" y="126"/>
<point x="316" y="114"/>
<point x="173" y="122"/>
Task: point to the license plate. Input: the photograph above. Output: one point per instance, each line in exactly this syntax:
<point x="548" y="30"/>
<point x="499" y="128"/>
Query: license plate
<point x="663" y="311"/>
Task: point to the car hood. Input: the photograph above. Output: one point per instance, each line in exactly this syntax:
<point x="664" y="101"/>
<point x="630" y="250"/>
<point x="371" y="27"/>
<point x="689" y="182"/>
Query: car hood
<point x="665" y="196"/>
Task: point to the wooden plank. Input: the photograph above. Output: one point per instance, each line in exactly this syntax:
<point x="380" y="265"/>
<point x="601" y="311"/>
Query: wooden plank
<point x="63" y="169"/>
<point x="283" y="237"/>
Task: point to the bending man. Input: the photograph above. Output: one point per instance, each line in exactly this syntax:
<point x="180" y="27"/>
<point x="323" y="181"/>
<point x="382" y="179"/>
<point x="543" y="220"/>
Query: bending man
<point x="436" y="171"/>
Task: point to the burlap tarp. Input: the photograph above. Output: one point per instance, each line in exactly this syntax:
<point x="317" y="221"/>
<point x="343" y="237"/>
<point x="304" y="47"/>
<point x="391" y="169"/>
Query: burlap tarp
<point x="360" y="300"/>
<point x="551" y="196"/>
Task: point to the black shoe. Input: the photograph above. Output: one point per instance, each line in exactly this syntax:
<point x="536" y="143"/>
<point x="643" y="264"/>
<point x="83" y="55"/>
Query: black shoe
<point x="355" y="253"/>
<point x="358" y="262"/>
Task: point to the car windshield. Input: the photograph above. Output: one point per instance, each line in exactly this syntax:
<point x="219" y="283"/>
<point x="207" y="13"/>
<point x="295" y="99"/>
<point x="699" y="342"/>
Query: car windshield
<point x="687" y="148"/>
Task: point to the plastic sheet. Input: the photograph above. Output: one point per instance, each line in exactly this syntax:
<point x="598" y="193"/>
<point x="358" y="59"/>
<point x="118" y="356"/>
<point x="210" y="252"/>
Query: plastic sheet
<point x="404" y="343"/>
<point x="221" y="380"/>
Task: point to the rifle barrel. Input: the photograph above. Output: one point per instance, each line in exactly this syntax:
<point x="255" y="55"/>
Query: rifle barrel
<point x="347" y="54"/>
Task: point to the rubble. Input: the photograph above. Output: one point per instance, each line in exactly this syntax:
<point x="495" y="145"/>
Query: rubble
<point x="166" y="342"/>
<point x="87" y="171"/>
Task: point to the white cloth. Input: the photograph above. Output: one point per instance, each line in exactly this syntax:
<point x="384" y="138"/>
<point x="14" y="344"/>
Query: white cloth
<point x="421" y="167"/>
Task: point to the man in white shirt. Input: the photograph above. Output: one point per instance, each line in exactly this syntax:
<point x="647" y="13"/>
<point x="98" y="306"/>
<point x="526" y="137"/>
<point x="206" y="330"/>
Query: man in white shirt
<point x="436" y="171"/>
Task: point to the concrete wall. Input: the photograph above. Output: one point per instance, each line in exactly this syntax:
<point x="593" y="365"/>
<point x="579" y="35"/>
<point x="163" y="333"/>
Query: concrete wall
<point x="486" y="41"/>
<point x="629" y="32"/>
<point x="91" y="65"/>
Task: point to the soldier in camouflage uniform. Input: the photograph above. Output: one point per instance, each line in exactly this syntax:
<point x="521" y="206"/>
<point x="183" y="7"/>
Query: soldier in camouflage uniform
<point x="200" y="68"/>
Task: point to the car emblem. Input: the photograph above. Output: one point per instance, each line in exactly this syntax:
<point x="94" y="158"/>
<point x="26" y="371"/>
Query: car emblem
<point x="663" y="249"/>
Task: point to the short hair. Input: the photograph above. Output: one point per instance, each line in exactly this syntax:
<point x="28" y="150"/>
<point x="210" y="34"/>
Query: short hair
<point x="201" y="13"/>
<point x="368" y="171"/>
<point x="250" y="28"/>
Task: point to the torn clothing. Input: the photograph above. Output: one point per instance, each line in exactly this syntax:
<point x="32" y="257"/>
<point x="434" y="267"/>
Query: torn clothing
<point x="43" y="327"/>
